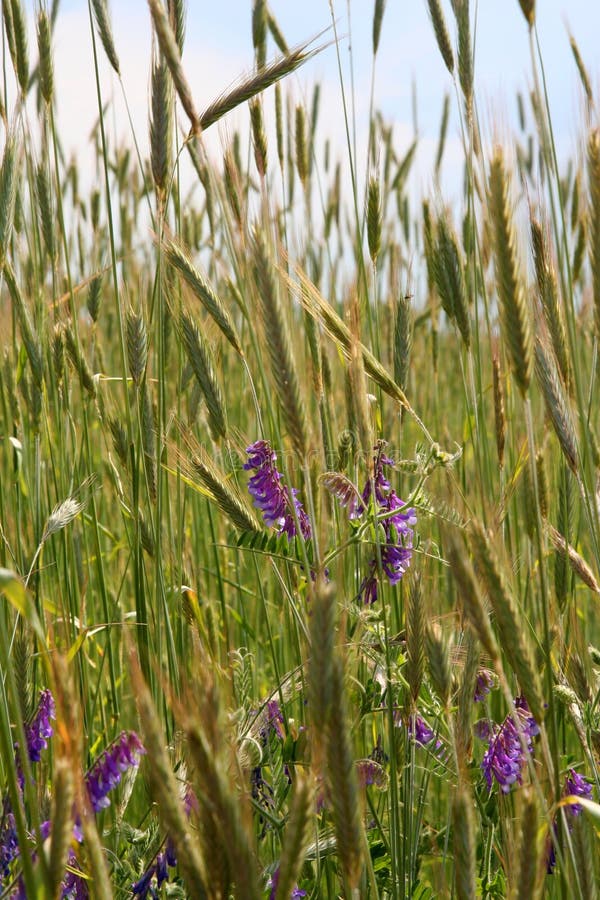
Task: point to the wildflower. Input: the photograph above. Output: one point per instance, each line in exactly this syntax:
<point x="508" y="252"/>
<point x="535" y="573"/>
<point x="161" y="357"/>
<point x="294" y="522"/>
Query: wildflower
<point x="485" y="682"/>
<point x="39" y="729"/>
<point x="190" y="805"/>
<point x="105" y="774"/>
<point x="261" y="790"/>
<point x="296" y="893"/>
<point x="9" y="845"/>
<point x="576" y="786"/>
<point x="166" y="859"/>
<point x="270" y="495"/>
<point x="274" y="721"/>
<point x="371" y="774"/>
<point x="158" y="870"/>
<point x="141" y="887"/>
<point x="484" y="729"/>
<point x="504" y="759"/>
<point x="74" y="886"/>
<point x="422" y="733"/>
<point x="396" y="551"/>
<point x="368" y="586"/>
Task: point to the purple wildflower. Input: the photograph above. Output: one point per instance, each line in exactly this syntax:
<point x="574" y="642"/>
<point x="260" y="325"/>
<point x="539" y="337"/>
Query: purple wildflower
<point x="576" y="786"/>
<point x="551" y="849"/>
<point x="530" y="726"/>
<point x="274" y="720"/>
<point x="39" y="729"/>
<point x="396" y="552"/>
<point x="270" y="495"/>
<point x="190" y="804"/>
<point x="371" y="774"/>
<point x="368" y="586"/>
<point x="486" y="682"/>
<point x="165" y="859"/>
<point x="296" y="893"/>
<point x="504" y="759"/>
<point x="484" y="729"/>
<point x="158" y="870"/>
<point x="9" y="845"/>
<point x="124" y="753"/>
<point x="422" y="733"/>
<point x="141" y="887"/>
<point x="74" y="887"/>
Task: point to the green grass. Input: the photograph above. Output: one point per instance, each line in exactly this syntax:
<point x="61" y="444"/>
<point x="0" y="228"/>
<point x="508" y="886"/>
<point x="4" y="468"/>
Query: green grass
<point x="143" y="590"/>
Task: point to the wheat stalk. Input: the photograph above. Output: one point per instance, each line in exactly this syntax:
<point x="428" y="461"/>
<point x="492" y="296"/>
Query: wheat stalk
<point x="102" y="18"/>
<point x="255" y="84"/>
<point x="62" y="822"/>
<point x="548" y="293"/>
<point x="9" y="175"/>
<point x="46" y="69"/>
<point x="464" y="845"/>
<point x="200" y="359"/>
<point x="179" y="259"/>
<point x="296" y="837"/>
<point x="137" y="345"/>
<point x="470" y="598"/>
<point x="556" y="404"/>
<point x="594" y="184"/>
<point x="441" y="33"/>
<point x="513" y="309"/>
<point x="161" y="121"/>
<point x="341" y="779"/>
<point x="577" y="562"/>
<point x="164" y="787"/>
<point x="169" y="47"/>
<point x="513" y="637"/>
<point x="283" y="365"/>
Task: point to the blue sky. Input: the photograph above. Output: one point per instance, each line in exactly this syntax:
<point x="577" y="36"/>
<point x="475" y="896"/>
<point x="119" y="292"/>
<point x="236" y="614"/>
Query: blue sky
<point x="218" y="49"/>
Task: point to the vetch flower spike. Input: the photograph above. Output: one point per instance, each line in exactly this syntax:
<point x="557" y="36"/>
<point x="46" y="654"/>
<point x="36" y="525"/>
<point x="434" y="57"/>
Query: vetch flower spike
<point x="577" y="786"/>
<point x="504" y="759"/>
<point x="270" y="495"/>
<point x="123" y="754"/>
<point x="39" y="729"/>
<point x="397" y="549"/>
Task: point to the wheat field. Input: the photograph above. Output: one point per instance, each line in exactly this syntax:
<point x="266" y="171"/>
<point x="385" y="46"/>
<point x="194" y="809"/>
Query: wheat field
<point x="299" y="488"/>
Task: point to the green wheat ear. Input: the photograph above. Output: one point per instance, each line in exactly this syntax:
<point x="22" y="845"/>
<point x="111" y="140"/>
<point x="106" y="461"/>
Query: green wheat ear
<point x="514" y="314"/>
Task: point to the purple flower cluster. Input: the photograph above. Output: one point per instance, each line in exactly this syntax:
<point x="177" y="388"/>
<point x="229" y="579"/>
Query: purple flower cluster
<point x="274" y="721"/>
<point x="396" y="521"/>
<point x="422" y="733"/>
<point x="74" y="886"/>
<point x="39" y="729"/>
<point x="270" y="495"/>
<point x="575" y="786"/>
<point x="486" y="681"/>
<point x="103" y="776"/>
<point x="9" y="844"/>
<point x="371" y="774"/>
<point x="124" y="753"/>
<point x="504" y="759"/>
<point x="396" y="553"/>
<point x="159" y="870"/>
<point x="296" y="893"/>
<point x="271" y="723"/>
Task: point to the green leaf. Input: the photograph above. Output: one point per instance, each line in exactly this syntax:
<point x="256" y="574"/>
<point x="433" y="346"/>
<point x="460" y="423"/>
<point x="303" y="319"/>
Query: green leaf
<point x="14" y="590"/>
